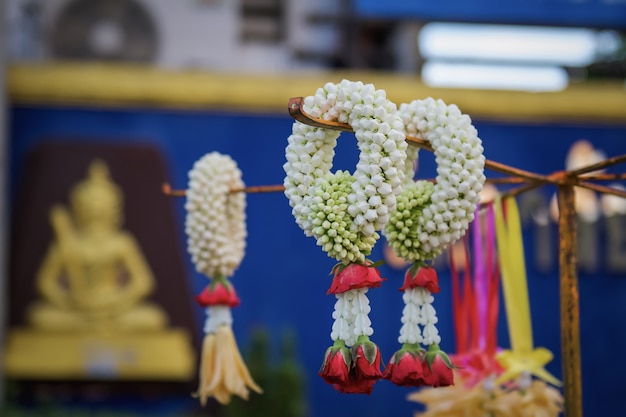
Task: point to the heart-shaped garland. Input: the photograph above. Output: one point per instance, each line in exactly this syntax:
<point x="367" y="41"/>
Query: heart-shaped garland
<point x="428" y="218"/>
<point x="343" y="212"/>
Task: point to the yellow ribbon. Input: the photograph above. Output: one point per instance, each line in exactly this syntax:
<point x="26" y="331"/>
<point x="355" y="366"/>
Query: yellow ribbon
<point x="522" y="357"/>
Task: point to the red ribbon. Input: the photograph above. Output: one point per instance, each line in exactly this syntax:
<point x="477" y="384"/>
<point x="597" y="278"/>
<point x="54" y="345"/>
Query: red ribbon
<point x="475" y="296"/>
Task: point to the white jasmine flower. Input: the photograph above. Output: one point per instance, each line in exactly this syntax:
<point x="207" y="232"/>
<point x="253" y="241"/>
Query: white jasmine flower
<point x="411" y="317"/>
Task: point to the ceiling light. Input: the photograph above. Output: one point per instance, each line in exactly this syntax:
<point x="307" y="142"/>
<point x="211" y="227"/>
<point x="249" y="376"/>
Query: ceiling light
<point x="495" y="77"/>
<point x="560" y="46"/>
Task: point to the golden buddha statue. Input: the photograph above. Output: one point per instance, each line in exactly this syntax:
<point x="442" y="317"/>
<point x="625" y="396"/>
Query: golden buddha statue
<point x="94" y="275"/>
<point x="92" y="319"/>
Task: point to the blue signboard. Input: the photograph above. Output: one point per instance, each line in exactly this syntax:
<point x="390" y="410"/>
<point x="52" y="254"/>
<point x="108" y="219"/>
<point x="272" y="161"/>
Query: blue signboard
<point x="584" y="13"/>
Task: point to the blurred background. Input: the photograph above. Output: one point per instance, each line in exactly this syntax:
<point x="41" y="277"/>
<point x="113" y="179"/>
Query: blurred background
<point x="568" y="40"/>
<point x="149" y="86"/>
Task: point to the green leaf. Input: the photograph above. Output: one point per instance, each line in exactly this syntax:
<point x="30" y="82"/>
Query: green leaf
<point x="377" y="263"/>
<point x="370" y="350"/>
<point x="340" y="266"/>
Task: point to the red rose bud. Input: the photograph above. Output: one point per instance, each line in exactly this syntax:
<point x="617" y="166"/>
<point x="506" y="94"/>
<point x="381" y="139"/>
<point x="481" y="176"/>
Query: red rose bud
<point x="336" y="366"/>
<point x="219" y="292"/>
<point x="437" y="368"/>
<point x="405" y="369"/>
<point x="421" y="276"/>
<point x="367" y="360"/>
<point x="354" y="276"/>
<point x="356" y="385"/>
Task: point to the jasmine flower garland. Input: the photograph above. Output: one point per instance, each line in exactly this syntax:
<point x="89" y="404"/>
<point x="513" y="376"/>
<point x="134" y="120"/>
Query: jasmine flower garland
<point x="429" y="217"/>
<point x="343" y="212"/>
<point x="418" y="311"/>
<point x="351" y="316"/>
<point x="216" y="238"/>
<point x="215" y="222"/>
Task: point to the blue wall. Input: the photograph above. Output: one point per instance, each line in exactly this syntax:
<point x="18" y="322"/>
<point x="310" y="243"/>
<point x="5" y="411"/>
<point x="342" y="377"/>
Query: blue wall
<point x="284" y="276"/>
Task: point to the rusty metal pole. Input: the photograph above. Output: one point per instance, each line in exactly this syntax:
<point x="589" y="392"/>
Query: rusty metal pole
<point x="570" y="313"/>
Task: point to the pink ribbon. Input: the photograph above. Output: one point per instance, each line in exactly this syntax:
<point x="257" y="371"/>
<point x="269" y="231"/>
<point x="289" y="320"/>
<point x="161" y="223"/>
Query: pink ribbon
<point x="476" y="301"/>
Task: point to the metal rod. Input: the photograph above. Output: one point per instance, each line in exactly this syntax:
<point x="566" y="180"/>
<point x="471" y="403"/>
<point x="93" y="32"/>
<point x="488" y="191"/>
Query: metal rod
<point x="255" y="189"/>
<point x="167" y="188"/>
<point x="605" y="177"/>
<point x="516" y="172"/>
<point x="519" y="190"/>
<point x="507" y="180"/>
<point x="570" y="313"/>
<point x="601" y="188"/>
<point x="597" y="166"/>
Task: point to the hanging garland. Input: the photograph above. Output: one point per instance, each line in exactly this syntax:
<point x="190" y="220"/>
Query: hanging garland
<point x="428" y="217"/>
<point x="216" y="238"/>
<point x="343" y="212"/>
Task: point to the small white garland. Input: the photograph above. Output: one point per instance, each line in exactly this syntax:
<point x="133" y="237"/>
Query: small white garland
<point x="216" y="316"/>
<point x="343" y="211"/>
<point x="215" y="223"/>
<point x="430" y="217"/>
<point x="351" y="318"/>
<point x="419" y="311"/>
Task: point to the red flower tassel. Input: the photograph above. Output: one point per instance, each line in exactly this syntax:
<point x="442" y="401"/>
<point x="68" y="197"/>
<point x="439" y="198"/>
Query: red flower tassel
<point x="219" y="292"/>
<point x="353" y="372"/>
<point x="337" y="364"/>
<point x="356" y="385"/>
<point x="421" y="276"/>
<point x="367" y="359"/>
<point x="405" y="367"/>
<point x="437" y="368"/>
<point x="353" y="276"/>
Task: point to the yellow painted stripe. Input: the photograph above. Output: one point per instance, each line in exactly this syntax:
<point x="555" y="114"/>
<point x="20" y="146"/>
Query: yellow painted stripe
<point x="121" y="85"/>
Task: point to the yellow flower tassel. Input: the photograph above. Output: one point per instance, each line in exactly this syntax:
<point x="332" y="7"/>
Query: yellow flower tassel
<point x="223" y="372"/>
<point x="455" y="401"/>
<point x="488" y="399"/>
<point x="538" y="400"/>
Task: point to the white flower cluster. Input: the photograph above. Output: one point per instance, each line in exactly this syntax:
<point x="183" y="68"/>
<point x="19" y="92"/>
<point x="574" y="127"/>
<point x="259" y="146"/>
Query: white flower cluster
<point x="419" y="232"/>
<point x="216" y="222"/>
<point x="342" y="211"/>
<point x="419" y="311"/>
<point x="216" y="316"/>
<point x="351" y="316"/>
